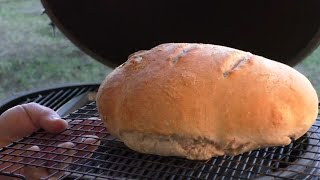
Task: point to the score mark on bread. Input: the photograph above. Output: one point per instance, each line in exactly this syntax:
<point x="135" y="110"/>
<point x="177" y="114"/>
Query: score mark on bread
<point x="238" y="63"/>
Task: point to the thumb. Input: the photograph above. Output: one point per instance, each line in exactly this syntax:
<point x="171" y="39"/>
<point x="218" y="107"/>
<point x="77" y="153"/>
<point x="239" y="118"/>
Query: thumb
<point x="44" y="117"/>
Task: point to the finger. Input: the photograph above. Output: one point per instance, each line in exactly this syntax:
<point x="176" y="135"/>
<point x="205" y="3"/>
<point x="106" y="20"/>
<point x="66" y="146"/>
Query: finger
<point x="32" y="171"/>
<point x="11" y="159"/>
<point x="14" y="124"/>
<point x="92" y="141"/>
<point x="54" y="164"/>
<point x="44" y="117"/>
<point x="67" y="152"/>
<point x="88" y="144"/>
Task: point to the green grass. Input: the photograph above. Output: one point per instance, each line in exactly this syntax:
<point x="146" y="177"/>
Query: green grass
<point x="32" y="58"/>
<point x="310" y="67"/>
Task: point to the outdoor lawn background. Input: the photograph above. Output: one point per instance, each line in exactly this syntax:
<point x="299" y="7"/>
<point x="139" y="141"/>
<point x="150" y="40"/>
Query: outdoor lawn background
<point x="32" y="58"/>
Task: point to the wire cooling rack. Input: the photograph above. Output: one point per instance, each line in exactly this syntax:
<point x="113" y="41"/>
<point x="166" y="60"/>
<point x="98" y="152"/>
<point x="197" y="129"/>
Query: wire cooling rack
<point x="104" y="157"/>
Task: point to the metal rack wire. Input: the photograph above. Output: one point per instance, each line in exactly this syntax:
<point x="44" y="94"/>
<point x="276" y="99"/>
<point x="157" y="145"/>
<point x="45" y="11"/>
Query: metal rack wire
<point x="108" y="158"/>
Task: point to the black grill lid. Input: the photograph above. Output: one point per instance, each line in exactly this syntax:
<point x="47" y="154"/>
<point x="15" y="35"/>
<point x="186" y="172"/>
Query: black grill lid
<point x="110" y="30"/>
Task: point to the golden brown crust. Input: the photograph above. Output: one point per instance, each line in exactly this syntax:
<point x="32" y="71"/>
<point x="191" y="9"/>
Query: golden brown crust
<point x="224" y="95"/>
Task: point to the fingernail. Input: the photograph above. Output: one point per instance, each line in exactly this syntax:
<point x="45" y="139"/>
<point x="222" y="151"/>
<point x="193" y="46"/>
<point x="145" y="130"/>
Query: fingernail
<point x="34" y="148"/>
<point x="66" y="145"/>
<point x="55" y="118"/>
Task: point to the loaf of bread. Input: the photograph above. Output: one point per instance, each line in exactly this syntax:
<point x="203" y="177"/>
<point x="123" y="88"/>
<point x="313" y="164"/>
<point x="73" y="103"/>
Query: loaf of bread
<point x="200" y="101"/>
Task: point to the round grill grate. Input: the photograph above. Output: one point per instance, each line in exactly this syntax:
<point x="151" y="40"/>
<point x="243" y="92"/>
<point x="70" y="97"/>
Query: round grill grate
<point x="284" y="162"/>
<point x="113" y="160"/>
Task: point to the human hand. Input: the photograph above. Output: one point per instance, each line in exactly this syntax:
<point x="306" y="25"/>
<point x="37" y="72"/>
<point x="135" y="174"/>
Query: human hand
<point x="47" y="162"/>
<point x="23" y="120"/>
